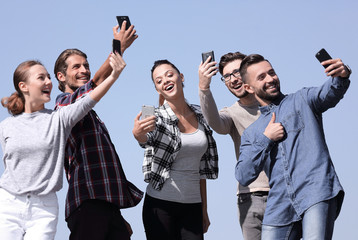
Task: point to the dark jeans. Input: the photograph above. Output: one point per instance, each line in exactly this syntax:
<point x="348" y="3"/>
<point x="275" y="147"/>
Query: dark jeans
<point x="165" y="220"/>
<point x="97" y="220"/>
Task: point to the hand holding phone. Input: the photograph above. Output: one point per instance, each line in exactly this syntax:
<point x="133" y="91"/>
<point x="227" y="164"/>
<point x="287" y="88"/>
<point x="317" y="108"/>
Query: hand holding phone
<point x="205" y="56"/>
<point x="116" y="46"/>
<point x="121" y="19"/>
<point x="147" y="111"/>
<point x="322" y="56"/>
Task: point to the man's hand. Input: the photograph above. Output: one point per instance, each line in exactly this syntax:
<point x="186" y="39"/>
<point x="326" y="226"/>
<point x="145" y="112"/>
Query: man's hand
<point x="206" y="71"/>
<point x="274" y="131"/>
<point x="336" y="68"/>
<point x="126" y="37"/>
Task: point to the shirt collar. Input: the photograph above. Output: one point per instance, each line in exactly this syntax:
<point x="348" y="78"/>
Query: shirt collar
<point x="268" y="108"/>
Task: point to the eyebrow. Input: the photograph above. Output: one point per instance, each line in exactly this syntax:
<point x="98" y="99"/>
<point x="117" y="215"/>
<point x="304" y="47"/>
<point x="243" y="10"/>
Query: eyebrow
<point x="163" y="74"/>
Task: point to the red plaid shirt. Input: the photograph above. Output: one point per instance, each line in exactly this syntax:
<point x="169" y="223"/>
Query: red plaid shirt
<point x="92" y="166"/>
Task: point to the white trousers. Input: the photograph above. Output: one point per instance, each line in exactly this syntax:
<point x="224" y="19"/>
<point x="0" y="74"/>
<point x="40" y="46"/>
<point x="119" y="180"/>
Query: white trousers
<point x="28" y="216"/>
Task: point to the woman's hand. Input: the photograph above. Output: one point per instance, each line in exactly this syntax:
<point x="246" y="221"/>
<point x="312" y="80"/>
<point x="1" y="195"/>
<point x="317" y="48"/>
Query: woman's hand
<point x="142" y="127"/>
<point x="117" y="63"/>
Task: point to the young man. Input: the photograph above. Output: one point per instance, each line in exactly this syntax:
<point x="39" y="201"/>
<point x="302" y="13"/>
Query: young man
<point x="98" y="188"/>
<point x="288" y="142"/>
<point x="233" y="120"/>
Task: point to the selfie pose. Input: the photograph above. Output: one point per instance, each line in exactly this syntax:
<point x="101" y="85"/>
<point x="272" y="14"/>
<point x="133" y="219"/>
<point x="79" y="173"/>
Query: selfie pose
<point x="33" y="142"/>
<point x="180" y="154"/>
<point x="97" y="185"/>
<point x="288" y="143"/>
<point x="251" y="199"/>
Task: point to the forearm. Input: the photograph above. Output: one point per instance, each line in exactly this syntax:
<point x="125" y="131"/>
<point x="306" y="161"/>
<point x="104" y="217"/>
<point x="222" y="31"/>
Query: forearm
<point x="102" y="89"/>
<point x="253" y="156"/>
<point x="203" y="194"/>
<point x="103" y="72"/>
<point x="219" y="122"/>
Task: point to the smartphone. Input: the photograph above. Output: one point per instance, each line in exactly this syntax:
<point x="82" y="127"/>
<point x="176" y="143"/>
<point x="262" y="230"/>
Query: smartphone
<point x="205" y="56"/>
<point x="120" y="20"/>
<point x="147" y="111"/>
<point x="323" y="55"/>
<point x="116" y="46"/>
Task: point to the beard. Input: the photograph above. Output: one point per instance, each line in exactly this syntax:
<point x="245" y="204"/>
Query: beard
<point x="262" y="94"/>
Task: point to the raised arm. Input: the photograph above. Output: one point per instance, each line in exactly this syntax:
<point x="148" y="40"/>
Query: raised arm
<point x="218" y="121"/>
<point x="127" y="37"/>
<point x="117" y="65"/>
<point x="332" y="91"/>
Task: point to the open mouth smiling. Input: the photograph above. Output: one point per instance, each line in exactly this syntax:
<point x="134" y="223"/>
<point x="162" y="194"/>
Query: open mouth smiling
<point x="169" y="87"/>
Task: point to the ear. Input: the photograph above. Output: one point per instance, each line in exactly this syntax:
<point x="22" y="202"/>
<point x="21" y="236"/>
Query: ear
<point x="61" y="77"/>
<point x="248" y="88"/>
<point x="182" y="77"/>
<point x="23" y="87"/>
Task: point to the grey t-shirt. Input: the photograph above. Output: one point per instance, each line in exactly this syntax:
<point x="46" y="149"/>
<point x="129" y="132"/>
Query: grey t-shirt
<point x="183" y="184"/>
<point x="33" y="146"/>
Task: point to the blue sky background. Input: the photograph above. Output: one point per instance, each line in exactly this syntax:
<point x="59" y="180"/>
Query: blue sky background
<point x="288" y="33"/>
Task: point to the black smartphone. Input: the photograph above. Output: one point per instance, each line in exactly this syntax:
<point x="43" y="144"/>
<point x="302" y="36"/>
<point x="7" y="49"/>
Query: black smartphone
<point x="205" y="56"/>
<point x="121" y="19"/>
<point x="323" y="55"/>
<point x="116" y="46"/>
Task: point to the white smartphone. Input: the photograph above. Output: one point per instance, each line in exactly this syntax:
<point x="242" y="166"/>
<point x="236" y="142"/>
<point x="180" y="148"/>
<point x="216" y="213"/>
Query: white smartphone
<point x="147" y="111"/>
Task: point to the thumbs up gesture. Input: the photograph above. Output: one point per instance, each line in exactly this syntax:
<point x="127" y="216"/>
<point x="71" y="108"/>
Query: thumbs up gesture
<point x="274" y="131"/>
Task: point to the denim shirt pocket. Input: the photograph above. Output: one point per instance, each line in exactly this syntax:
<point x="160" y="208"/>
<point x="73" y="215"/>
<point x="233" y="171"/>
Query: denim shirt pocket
<point x="292" y="122"/>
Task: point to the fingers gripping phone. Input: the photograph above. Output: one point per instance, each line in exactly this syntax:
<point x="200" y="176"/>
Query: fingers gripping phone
<point x="121" y="19"/>
<point x="322" y="56"/>
<point x="205" y="56"/>
<point x="147" y="111"/>
<point x="116" y="46"/>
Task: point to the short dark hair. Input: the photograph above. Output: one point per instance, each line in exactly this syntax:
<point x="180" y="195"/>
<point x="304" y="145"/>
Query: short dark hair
<point x="229" y="57"/>
<point x="248" y="61"/>
<point x="61" y="65"/>
<point x="161" y="62"/>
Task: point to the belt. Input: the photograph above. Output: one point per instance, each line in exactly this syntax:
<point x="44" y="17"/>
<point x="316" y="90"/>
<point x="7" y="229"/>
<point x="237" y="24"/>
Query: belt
<point x="258" y="193"/>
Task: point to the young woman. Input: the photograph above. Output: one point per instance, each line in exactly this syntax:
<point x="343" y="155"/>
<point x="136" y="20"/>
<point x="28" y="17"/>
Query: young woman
<point x="180" y="153"/>
<point x="33" y="141"/>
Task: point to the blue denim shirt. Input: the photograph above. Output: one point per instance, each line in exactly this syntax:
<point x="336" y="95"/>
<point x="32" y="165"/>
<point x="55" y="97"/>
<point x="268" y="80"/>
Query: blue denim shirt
<point x="299" y="166"/>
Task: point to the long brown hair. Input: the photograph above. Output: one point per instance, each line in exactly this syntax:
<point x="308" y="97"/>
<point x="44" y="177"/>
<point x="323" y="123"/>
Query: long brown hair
<point x="15" y="104"/>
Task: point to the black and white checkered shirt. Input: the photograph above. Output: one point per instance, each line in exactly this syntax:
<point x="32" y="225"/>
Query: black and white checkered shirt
<point x="164" y="143"/>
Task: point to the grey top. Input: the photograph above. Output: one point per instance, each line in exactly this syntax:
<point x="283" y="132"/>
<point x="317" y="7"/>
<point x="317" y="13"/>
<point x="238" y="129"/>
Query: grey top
<point x="233" y="120"/>
<point x="183" y="185"/>
<point x="33" y="146"/>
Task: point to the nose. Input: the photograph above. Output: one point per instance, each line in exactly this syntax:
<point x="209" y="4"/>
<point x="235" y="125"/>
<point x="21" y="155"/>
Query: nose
<point x="271" y="78"/>
<point x="48" y="81"/>
<point x="234" y="79"/>
<point x="83" y="69"/>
